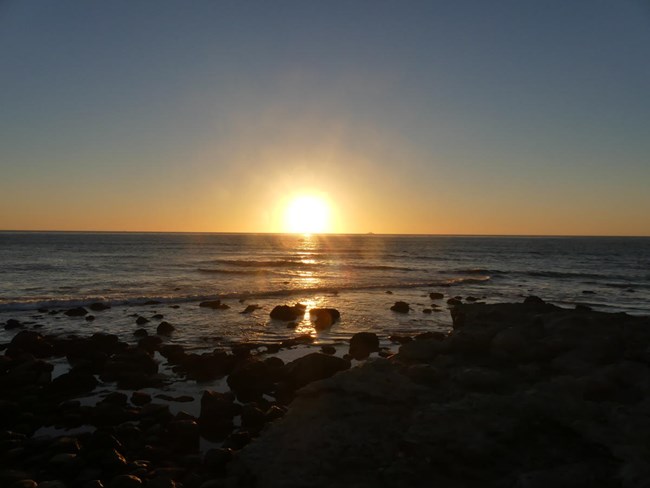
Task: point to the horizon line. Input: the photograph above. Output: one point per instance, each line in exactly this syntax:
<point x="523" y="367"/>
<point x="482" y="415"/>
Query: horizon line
<point x="43" y="231"/>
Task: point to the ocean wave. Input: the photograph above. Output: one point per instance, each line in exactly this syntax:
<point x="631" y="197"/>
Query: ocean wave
<point x="292" y="264"/>
<point x="237" y="271"/>
<point x="61" y="304"/>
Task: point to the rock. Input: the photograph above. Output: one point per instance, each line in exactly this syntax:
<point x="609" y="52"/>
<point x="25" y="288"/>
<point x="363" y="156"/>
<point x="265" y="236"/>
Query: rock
<point x="454" y="302"/>
<point x="140" y="333"/>
<point x="217" y="412"/>
<point x="400" y="339"/>
<point x="251" y="379"/>
<point x="324" y="317"/>
<point x="125" y="481"/>
<point x="421" y="350"/>
<point x="436" y="296"/>
<point x="362" y="344"/>
<point x="427" y="310"/>
<point x="328" y="349"/>
<point x="157" y="316"/>
<point x="237" y="440"/>
<point x="76" y="312"/>
<point x="33" y="343"/>
<point x="90" y="318"/>
<point x="252" y="418"/>
<point x="25" y="484"/>
<point x="140" y="398"/>
<point x="250" y="308"/>
<point x="150" y="343"/>
<point x="12" y="324"/>
<point x="165" y="328"/>
<point x="401" y="307"/>
<point x="183" y="435"/>
<point x="312" y="367"/>
<point x="98" y="306"/>
<point x="216" y="459"/>
<point x="174" y="353"/>
<point x="510" y="341"/>
<point x="287" y="313"/>
<point x="141" y="320"/>
<point x="72" y="383"/>
<point x="534" y="300"/>
<point x="214" y="304"/>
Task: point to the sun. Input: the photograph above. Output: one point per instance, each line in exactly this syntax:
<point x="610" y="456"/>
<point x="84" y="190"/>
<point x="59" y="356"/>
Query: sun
<point x="307" y="214"/>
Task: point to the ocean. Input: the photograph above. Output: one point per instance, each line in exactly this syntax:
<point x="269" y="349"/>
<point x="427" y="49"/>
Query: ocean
<point x="44" y="273"/>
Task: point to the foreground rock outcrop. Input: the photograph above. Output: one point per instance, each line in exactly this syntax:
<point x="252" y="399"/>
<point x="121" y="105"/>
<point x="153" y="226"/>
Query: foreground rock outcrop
<point x="518" y="395"/>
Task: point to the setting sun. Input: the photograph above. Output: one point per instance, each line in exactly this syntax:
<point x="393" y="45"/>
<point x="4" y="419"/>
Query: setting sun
<point x="306" y="215"/>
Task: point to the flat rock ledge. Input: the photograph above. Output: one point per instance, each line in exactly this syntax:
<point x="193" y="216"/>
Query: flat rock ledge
<point x="518" y="395"/>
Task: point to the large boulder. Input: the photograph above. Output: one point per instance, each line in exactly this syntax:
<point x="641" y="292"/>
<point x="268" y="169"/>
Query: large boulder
<point x="324" y="317"/>
<point x="217" y="412"/>
<point x="312" y="367"/>
<point x="76" y="312"/>
<point x="33" y="343"/>
<point x="401" y="307"/>
<point x="287" y="313"/>
<point x="362" y="344"/>
<point x="251" y="379"/>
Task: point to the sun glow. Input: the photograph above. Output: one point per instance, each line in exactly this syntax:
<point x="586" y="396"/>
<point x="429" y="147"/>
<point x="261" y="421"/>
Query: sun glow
<point x="307" y="215"/>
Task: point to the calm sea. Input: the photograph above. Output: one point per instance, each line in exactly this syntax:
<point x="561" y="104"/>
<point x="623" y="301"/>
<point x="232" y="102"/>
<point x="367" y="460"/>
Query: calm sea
<point x="55" y="271"/>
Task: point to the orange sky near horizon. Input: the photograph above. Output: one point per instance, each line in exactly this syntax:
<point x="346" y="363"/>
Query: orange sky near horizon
<point x="535" y="124"/>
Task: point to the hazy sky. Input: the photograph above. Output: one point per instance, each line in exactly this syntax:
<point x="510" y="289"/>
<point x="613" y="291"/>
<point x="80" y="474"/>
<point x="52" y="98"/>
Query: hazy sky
<point x="472" y="117"/>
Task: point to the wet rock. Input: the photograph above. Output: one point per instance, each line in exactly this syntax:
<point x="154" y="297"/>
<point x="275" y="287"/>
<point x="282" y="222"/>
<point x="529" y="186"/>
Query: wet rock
<point x="150" y="343"/>
<point x="313" y="367"/>
<point x="324" y="317"/>
<point x="252" y="418"/>
<point x="287" y="313"/>
<point x="165" y="328"/>
<point x="125" y="481"/>
<point x="439" y="336"/>
<point x="141" y="320"/>
<point x="33" y="343"/>
<point x="140" y="398"/>
<point x="217" y="412"/>
<point x="116" y="398"/>
<point x="157" y="316"/>
<point x="401" y="307"/>
<point x="237" y="440"/>
<point x="362" y="344"/>
<point x="12" y="324"/>
<point x="183" y="435"/>
<point x="72" y="383"/>
<point x="250" y="308"/>
<point x="421" y="350"/>
<point x="214" y="304"/>
<point x="251" y="379"/>
<point x="454" y="302"/>
<point x="98" y="306"/>
<point x="140" y="333"/>
<point x="427" y="310"/>
<point x="436" y="296"/>
<point x="76" y="312"/>
<point x="298" y="340"/>
<point x="328" y="349"/>
<point x="216" y="460"/>
<point x="174" y="353"/>
<point x="90" y="318"/>
<point x="534" y="300"/>
<point x="400" y="339"/>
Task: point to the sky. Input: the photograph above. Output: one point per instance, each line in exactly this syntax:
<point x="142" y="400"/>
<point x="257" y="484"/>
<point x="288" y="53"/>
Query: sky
<point x="420" y="117"/>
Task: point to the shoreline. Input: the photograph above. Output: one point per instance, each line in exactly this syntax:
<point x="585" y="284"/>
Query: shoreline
<point x="502" y="368"/>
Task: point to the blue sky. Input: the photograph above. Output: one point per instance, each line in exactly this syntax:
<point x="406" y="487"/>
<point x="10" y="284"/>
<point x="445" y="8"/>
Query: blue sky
<point x="516" y="117"/>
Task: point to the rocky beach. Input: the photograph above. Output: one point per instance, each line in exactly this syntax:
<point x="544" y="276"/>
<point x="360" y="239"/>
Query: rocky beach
<point x="519" y="395"/>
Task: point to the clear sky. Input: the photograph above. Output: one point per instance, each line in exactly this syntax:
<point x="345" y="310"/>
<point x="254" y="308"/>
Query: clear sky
<point x="471" y="117"/>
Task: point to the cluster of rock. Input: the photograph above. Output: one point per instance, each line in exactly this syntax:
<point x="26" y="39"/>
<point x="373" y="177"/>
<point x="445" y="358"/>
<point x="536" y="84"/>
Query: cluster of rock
<point x="522" y="395"/>
<point x="132" y="440"/>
